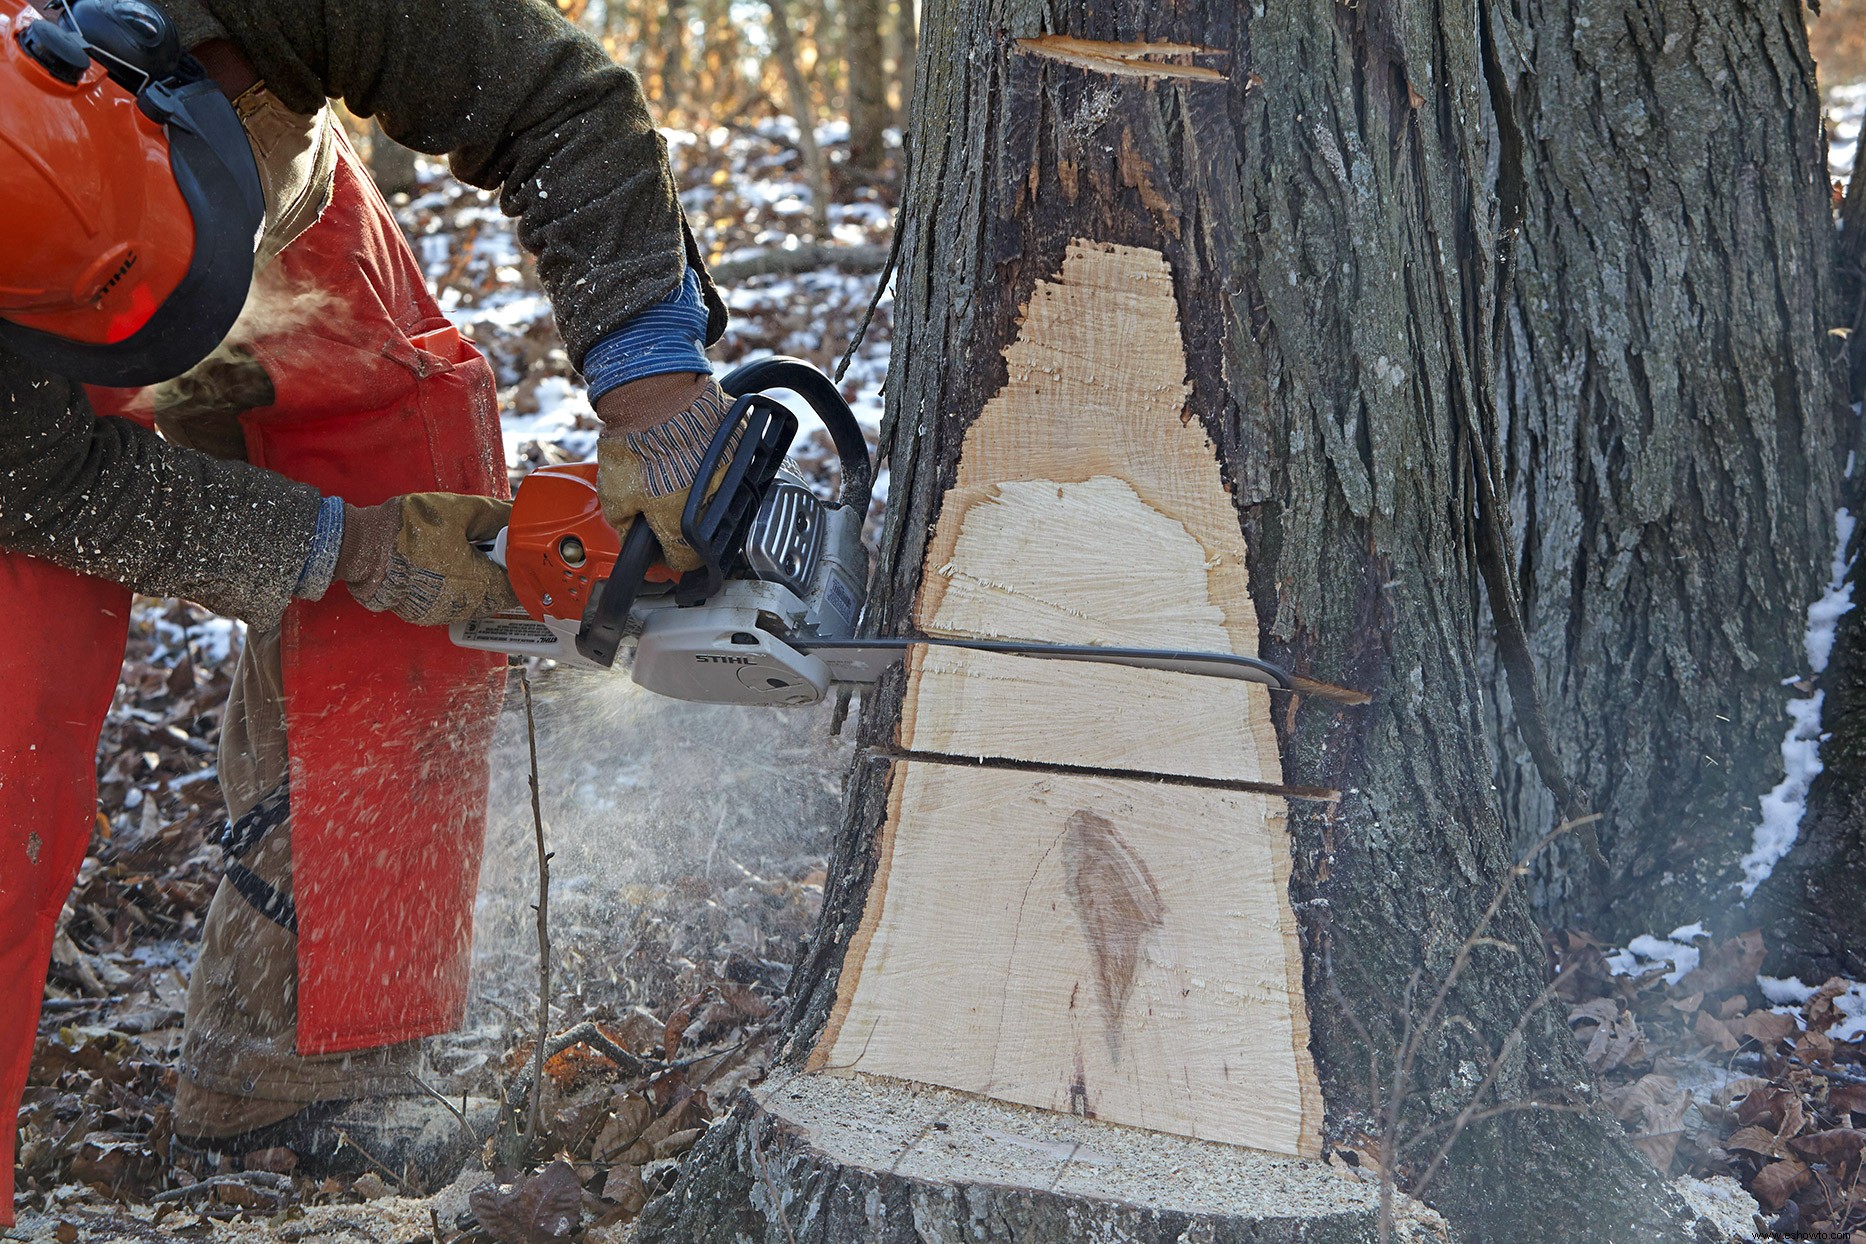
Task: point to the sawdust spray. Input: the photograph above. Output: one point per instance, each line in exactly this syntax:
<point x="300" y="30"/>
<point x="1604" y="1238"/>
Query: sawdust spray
<point x="654" y="809"/>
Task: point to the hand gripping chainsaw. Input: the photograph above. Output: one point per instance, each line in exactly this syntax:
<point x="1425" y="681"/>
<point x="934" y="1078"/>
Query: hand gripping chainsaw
<point x="772" y="615"/>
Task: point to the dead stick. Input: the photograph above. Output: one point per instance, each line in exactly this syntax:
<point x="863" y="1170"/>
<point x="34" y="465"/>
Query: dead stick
<point x="536" y="1107"/>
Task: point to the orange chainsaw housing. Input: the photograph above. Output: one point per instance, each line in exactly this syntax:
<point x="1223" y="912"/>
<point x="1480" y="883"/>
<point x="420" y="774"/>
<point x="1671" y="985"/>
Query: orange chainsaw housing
<point x="558" y="546"/>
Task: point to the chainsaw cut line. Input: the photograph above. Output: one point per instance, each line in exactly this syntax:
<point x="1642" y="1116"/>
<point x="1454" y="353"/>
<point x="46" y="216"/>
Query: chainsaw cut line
<point x="1127" y="60"/>
<point x="1308" y="794"/>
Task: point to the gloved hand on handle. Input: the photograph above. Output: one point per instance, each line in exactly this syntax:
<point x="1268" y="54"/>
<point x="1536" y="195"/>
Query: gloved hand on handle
<point x="655" y="432"/>
<point x="654" y="391"/>
<point x="414" y="555"/>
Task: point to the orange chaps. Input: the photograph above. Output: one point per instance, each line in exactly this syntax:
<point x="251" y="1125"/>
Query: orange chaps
<point x="388" y="724"/>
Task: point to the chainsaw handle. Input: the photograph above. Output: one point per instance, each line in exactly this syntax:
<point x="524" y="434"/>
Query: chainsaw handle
<point x="603" y="631"/>
<point x="780" y="372"/>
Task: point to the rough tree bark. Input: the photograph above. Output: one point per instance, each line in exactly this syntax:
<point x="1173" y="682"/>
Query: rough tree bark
<point x="869" y="115"/>
<point x="1674" y="438"/>
<point x="1149" y="248"/>
<point x="1815" y="921"/>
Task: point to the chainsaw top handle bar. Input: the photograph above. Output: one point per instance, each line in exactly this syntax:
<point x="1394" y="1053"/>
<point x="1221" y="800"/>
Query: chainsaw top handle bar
<point x="780" y="372"/>
<point x="715" y="525"/>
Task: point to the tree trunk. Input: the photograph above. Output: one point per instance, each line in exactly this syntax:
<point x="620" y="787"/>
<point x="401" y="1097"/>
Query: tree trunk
<point x="1673" y="439"/>
<point x="671" y="62"/>
<point x="803" y="112"/>
<point x="1195" y="336"/>
<point x="1814" y="921"/>
<point x="904" y="35"/>
<point x="868" y="85"/>
<point x="391" y="165"/>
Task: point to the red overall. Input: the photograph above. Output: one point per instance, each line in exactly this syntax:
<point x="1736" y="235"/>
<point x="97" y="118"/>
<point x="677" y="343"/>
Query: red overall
<point x="388" y="724"/>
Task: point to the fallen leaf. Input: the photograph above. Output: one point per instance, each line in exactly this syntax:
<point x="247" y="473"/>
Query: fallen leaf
<point x="625" y="1189"/>
<point x="1766" y="1028"/>
<point x="1847" y="1098"/>
<point x="1726" y="965"/>
<point x="1778" y="1181"/>
<point x="543" y="1209"/>
<point x="1821" y="1012"/>
<point x="1838" y="1147"/>
<point x="1753" y="1139"/>
<point x="1714" y="1032"/>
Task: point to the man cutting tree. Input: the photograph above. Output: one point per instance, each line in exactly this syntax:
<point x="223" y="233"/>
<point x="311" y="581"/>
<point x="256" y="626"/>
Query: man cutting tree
<point x="222" y="378"/>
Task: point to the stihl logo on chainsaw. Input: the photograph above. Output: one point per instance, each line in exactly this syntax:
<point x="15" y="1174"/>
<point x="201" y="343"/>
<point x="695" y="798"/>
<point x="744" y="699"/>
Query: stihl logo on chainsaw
<point x="714" y="659"/>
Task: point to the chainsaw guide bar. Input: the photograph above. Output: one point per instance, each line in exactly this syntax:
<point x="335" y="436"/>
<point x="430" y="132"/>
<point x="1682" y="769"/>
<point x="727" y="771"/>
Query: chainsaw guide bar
<point x="771" y="615"/>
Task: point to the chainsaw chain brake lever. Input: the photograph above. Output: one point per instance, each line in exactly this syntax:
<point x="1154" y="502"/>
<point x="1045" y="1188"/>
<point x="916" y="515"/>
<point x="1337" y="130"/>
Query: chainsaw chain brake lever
<point x="715" y="525"/>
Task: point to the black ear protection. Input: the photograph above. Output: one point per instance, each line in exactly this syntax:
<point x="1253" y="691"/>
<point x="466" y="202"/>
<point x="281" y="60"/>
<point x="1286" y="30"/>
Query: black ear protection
<point x="140" y="50"/>
<point x="134" y="41"/>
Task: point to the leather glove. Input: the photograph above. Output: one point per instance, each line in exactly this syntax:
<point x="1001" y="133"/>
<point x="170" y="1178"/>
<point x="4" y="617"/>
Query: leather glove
<point x="655" y="431"/>
<point x="414" y="556"/>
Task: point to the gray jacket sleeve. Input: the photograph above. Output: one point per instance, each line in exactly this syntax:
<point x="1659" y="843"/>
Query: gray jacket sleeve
<point x="109" y="498"/>
<point x="521" y="101"/>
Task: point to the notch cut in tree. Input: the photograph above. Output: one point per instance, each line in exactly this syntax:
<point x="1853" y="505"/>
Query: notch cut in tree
<point x="1104" y="946"/>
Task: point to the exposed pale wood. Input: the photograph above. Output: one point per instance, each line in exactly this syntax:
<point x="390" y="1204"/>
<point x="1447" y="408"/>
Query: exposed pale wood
<point x="1096" y="396"/>
<point x="1091" y="944"/>
<point x="988" y="705"/>
<point x="848" y="1159"/>
<point x="1108" y="947"/>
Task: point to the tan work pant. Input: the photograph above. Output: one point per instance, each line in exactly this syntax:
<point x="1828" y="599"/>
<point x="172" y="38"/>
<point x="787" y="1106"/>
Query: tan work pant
<point x="239" y="1067"/>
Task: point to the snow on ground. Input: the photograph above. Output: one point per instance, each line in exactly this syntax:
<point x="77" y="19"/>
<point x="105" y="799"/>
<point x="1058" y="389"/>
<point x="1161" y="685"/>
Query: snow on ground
<point x="1644" y="953"/>
<point x="1846" y="107"/>
<point x="1783" y="807"/>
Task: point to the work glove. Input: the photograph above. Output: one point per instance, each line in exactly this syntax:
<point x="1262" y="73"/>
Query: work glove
<point x="655" y="432"/>
<point x="413" y="556"/>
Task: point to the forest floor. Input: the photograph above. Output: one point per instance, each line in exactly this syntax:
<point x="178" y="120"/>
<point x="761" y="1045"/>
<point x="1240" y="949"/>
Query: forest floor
<point x="689" y="852"/>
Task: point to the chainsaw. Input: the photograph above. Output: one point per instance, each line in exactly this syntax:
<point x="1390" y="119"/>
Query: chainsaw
<point x="773" y="614"/>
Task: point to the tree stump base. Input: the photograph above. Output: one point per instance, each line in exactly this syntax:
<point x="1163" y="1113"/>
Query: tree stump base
<point x="834" y="1159"/>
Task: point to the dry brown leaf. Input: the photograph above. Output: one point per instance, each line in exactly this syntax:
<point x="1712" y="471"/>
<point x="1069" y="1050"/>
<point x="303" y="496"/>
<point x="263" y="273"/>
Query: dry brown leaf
<point x="1753" y="1139"/>
<point x="1847" y="1098"/>
<point x="624" y="1188"/>
<point x="1714" y="1032"/>
<point x="1726" y="965"/>
<point x="1838" y="1147"/>
<point x="1738" y="1088"/>
<point x="1687" y="1004"/>
<point x="1821" y="1012"/>
<point x="1778" y="1181"/>
<point x="630" y="1116"/>
<point x="1595" y="1011"/>
<point x="544" y="1209"/>
<point x="1766" y="1028"/>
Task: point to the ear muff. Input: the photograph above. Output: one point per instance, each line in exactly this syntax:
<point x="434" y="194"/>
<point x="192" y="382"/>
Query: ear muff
<point x="212" y="168"/>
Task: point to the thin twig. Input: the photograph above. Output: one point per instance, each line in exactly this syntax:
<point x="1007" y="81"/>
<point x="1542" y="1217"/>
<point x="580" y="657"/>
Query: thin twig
<point x="345" y="1138"/>
<point x="253" y="1181"/>
<point x="535" y="1109"/>
<point x="881" y="285"/>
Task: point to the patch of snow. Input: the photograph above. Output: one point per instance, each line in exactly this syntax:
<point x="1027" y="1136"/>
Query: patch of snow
<point x="563" y="409"/>
<point x="1782" y="808"/>
<point x="1846" y="107"/>
<point x="1722" y="1203"/>
<point x="1785" y="990"/>
<point x="1851" y="1004"/>
<point x="1645" y="953"/>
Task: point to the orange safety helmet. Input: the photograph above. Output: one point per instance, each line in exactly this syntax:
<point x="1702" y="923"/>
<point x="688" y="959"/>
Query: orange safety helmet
<point x="128" y="190"/>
